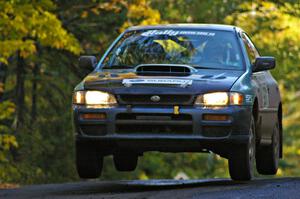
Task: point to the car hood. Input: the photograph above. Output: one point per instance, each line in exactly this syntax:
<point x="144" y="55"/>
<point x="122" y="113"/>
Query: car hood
<point x="128" y="82"/>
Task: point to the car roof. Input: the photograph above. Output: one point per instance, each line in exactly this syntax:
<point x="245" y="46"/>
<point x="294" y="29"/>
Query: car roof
<point x="186" y="26"/>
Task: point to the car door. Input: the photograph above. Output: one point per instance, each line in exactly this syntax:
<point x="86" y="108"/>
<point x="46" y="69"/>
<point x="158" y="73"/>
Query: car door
<point x="261" y="81"/>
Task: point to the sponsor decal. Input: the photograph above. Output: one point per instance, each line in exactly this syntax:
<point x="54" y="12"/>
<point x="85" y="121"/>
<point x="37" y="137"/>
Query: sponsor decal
<point x="248" y="98"/>
<point x="181" y="82"/>
<point x="177" y="32"/>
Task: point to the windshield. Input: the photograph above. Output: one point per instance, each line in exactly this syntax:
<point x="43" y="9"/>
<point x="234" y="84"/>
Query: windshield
<point x="197" y="48"/>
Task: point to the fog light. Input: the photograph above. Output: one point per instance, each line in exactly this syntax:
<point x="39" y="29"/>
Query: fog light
<point x="93" y="116"/>
<point x="215" y="117"/>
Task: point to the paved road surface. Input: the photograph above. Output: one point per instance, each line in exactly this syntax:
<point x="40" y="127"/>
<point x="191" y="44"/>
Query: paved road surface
<point x="287" y="188"/>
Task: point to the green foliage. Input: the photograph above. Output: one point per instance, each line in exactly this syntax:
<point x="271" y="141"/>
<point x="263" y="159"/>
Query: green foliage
<point x="23" y="23"/>
<point x="141" y="13"/>
<point x="7" y="140"/>
<point x="290" y="163"/>
<point x="169" y="165"/>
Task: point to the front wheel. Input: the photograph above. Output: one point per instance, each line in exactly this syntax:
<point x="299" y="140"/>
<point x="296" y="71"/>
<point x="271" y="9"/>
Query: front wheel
<point x="241" y="161"/>
<point x="88" y="162"/>
<point x="125" y="162"/>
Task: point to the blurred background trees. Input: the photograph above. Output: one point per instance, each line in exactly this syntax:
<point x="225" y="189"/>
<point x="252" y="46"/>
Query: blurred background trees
<point x="40" y="42"/>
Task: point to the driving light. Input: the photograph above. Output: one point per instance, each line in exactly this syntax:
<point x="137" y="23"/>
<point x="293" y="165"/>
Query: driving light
<point x="215" y="99"/>
<point x="94" y="98"/>
<point x="219" y="99"/>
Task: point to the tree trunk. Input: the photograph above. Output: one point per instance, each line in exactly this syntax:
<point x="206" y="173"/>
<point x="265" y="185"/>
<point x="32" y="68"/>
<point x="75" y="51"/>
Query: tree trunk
<point x="20" y="93"/>
<point x="3" y="75"/>
<point x="35" y="72"/>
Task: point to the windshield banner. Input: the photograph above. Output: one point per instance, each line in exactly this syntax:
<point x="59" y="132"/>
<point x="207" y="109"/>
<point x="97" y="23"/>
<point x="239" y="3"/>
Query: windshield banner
<point x="176" y="32"/>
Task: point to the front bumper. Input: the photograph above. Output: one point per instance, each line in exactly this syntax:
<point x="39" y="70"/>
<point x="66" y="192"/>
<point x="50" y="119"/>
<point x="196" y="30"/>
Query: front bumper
<point x="125" y="129"/>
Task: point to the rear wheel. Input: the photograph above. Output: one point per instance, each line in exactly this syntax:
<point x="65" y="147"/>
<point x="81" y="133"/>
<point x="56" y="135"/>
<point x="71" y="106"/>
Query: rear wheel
<point x="125" y="161"/>
<point x="88" y="162"/>
<point x="267" y="157"/>
<point x="241" y="161"/>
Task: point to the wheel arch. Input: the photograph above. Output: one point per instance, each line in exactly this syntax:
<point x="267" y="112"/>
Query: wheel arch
<point x="255" y="109"/>
<point x="255" y="113"/>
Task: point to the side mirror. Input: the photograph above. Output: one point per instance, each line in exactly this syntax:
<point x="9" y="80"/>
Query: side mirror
<point x="87" y="62"/>
<point x="263" y="63"/>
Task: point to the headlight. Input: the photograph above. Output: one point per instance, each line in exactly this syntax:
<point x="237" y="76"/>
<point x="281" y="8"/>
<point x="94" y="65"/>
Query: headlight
<point x="93" y="98"/>
<point x="220" y="99"/>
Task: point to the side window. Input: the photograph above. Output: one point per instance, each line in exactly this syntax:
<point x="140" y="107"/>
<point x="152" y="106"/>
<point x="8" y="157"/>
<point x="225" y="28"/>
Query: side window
<point x="251" y="50"/>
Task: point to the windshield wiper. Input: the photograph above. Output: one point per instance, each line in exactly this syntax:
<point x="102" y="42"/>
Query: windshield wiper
<point x="118" y="66"/>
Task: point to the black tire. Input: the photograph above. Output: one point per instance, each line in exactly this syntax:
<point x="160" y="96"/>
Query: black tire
<point x="88" y="162"/>
<point x="267" y="157"/>
<point x="241" y="161"/>
<point x="125" y="162"/>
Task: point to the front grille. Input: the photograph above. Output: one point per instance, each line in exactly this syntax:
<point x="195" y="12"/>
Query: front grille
<point x="127" y="123"/>
<point x="163" y="99"/>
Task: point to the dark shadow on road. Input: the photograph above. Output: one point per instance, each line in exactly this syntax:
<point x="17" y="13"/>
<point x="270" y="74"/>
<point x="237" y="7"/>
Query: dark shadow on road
<point x="96" y="187"/>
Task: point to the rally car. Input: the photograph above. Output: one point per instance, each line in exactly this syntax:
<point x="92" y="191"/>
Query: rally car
<point x="179" y="88"/>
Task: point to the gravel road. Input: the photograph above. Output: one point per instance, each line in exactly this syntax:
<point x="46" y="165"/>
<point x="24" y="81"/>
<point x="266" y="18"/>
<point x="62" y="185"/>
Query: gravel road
<point x="287" y="188"/>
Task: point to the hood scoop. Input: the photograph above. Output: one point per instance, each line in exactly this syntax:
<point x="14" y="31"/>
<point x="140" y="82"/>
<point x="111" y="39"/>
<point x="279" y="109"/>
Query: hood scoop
<point x="164" y="70"/>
